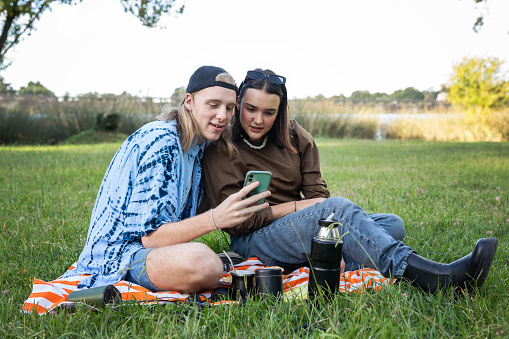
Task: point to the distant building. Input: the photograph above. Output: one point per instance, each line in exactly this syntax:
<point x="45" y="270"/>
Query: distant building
<point x="442" y="96"/>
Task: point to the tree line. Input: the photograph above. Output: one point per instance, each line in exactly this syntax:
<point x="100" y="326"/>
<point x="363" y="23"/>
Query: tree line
<point x="409" y="94"/>
<point x="477" y="86"/>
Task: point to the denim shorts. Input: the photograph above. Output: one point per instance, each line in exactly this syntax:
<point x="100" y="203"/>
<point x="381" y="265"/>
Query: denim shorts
<point x="137" y="272"/>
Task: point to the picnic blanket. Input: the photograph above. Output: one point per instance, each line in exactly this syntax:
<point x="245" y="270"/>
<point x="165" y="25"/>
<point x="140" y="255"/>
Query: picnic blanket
<point x="46" y="296"/>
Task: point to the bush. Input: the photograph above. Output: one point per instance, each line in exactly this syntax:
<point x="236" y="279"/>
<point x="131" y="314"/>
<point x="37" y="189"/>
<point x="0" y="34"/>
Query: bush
<point x="107" y="122"/>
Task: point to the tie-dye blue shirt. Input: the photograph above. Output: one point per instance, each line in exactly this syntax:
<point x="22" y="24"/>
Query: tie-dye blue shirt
<point x="149" y="182"/>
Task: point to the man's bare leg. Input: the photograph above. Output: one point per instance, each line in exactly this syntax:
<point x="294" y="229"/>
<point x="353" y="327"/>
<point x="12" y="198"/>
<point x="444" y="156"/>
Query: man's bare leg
<point x="189" y="267"/>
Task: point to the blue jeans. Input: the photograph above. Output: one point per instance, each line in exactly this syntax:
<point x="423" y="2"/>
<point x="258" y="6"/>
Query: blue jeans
<point x="372" y="240"/>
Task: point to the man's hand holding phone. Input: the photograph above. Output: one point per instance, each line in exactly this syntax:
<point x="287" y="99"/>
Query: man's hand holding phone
<point x="263" y="177"/>
<point x="238" y="207"/>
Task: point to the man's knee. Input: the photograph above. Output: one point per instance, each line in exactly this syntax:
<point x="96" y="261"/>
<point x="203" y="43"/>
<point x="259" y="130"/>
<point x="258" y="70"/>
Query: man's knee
<point x="209" y="265"/>
<point x="200" y="260"/>
<point x="187" y="267"/>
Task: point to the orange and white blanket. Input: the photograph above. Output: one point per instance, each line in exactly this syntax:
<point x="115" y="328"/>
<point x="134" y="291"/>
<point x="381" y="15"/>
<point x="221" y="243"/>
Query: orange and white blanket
<point x="46" y="296"/>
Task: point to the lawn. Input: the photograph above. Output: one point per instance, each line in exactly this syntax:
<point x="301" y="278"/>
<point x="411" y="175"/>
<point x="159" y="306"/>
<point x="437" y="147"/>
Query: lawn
<point x="448" y="194"/>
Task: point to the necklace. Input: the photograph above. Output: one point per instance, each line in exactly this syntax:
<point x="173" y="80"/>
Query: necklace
<point x="256" y="147"/>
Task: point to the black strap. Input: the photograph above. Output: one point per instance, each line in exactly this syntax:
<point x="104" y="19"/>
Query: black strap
<point x="226" y="85"/>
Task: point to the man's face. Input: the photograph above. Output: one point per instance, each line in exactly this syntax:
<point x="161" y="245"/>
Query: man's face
<point x="212" y="109"/>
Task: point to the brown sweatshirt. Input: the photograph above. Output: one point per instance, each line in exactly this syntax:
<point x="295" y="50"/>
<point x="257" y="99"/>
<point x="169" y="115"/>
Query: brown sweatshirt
<point x="294" y="175"/>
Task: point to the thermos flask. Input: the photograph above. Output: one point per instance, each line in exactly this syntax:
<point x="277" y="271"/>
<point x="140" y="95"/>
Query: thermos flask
<point x="97" y="296"/>
<point x="326" y="254"/>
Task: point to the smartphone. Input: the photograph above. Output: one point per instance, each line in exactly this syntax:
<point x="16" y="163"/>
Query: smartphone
<point x="263" y="177"/>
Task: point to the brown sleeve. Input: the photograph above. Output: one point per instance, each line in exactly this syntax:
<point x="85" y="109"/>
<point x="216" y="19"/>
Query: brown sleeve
<point x="224" y="176"/>
<point x="313" y="186"/>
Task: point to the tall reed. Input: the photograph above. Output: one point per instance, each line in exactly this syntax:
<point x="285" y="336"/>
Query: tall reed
<point x="33" y="122"/>
<point x="338" y="126"/>
<point x="50" y="121"/>
<point x="338" y="106"/>
<point x="494" y="129"/>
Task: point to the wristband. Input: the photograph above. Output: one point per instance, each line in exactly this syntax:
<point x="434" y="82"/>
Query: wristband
<point x="213" y="222"/>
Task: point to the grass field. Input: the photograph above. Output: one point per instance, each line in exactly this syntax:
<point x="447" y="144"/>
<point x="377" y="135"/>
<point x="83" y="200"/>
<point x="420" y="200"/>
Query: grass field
<point x="448" y="194"/>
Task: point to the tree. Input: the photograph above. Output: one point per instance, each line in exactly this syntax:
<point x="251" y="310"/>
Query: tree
<point x="379" y="96"/>
<point x="35" y="88"/>
<point x="479" y="22"/>
<point x="478" y="85"/>
<point x="178" y="96"/>
<point x="430" y="95"/>
<point x="480" y="19"/>
<point x="5" y="88"/>
<point x="19" y="16"/>
<point x="338" y="98"/>
<point x="408" y="94"/>
<point x="360" y="96"/>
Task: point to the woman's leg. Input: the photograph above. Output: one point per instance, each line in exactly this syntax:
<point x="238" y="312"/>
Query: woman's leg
<point x="389" y="222"/>
<point x="288" y="239"/>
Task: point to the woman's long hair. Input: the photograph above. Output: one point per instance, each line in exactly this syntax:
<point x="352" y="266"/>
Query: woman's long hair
<point x="187" y="126"/>
<point x="279" y="134"/>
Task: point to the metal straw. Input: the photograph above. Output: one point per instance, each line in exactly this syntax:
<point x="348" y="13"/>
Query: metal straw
<point x="231" y="262"/>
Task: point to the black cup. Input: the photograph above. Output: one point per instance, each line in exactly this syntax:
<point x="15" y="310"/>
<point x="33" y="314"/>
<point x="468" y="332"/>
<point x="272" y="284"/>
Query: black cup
<point x="242" y="284"/>
<point x="269" y="283"/>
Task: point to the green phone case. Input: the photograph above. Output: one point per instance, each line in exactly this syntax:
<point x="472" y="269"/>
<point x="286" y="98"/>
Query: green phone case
<point x="263" y="177"/>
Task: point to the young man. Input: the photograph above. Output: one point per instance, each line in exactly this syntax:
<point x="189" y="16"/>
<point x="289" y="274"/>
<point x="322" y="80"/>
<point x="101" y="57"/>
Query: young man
<point x="144" y="214"/>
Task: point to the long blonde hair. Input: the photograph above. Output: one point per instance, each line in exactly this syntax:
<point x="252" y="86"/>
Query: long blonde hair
<point x="187" y="126"/>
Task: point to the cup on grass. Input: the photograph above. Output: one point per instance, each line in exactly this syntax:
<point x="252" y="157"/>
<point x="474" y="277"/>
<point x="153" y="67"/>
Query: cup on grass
<point x="269" y="283"/>
<point x="242" y="284"/>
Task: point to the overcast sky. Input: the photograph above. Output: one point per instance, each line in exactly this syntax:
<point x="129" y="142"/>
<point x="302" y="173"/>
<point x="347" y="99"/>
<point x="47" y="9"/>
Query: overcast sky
<point x="327" y="47"/>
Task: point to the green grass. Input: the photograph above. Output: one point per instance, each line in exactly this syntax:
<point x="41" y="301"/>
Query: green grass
<point x="445" y="192"/>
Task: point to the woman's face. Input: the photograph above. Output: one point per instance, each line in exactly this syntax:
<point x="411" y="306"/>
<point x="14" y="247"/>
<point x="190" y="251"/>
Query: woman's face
<point x="212" y="109"/>
<point x="258" y="111"/>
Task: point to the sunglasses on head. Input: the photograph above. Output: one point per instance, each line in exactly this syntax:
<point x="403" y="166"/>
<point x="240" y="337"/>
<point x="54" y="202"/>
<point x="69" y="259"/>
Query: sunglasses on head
<point x="275" y="79"/>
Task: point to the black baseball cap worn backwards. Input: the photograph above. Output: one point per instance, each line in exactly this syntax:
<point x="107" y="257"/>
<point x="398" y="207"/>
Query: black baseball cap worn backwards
<point x="205" y="77"/>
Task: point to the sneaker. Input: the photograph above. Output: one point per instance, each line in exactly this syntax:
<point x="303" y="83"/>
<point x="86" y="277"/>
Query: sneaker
<point x="235" y="257"/>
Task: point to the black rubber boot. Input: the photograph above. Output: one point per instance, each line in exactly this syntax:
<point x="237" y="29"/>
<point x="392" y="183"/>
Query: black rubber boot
<point x="469" y="272"/>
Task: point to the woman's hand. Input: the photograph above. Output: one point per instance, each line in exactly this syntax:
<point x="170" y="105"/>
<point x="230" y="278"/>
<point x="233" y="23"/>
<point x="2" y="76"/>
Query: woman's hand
<point x="235" y="210"/>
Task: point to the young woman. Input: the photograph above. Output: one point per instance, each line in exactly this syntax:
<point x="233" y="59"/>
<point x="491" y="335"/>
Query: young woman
<point x="144" y="214"/>
<point x="266" y="140"/>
